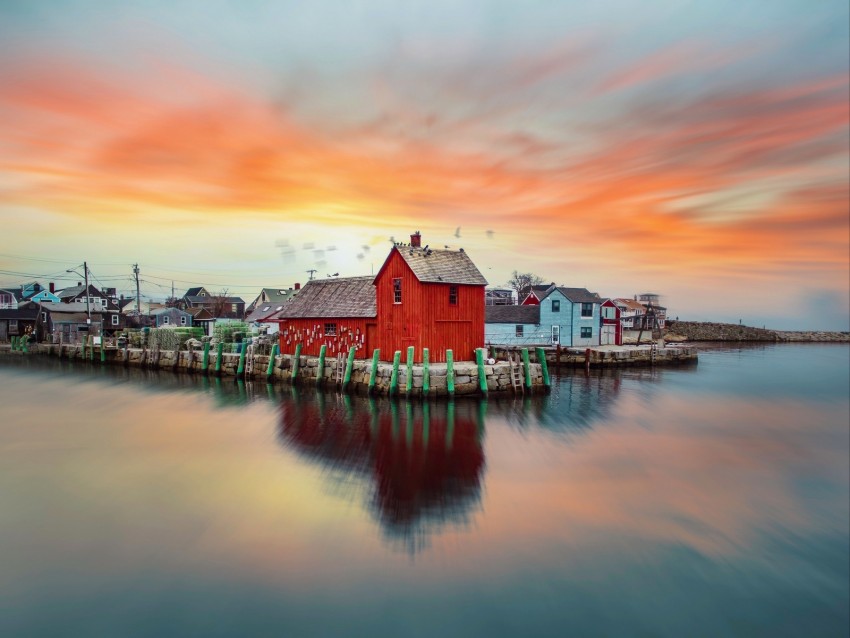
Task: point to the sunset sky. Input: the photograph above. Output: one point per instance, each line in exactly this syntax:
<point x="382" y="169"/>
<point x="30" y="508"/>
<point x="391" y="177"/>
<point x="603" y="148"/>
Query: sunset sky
<point x="699" y="150"/>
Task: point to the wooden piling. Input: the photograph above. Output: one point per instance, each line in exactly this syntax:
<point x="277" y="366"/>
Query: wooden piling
<point x="272" y="357"/>
<point x="296" y="361"/>
<point x="320" y="371"/>
<point x="409" y="371"/>
<point x="219" y="351"/>
<point x="243" y="351"/>
<point x="394" y="377"/>
<point x="374" y="372"/>
<point x="544" y="367"/>
<point x="450" y="373"/>
<point x="482" y="375"/>
<point x="426" y="372"/>
<point x="349" y="365"/>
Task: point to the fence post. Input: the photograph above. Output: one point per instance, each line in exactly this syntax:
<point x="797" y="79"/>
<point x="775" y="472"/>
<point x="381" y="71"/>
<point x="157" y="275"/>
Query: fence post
<point x="374" y="372"/>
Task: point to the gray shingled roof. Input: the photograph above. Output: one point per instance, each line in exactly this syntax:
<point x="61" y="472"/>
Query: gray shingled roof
<point x="343" y="297"/>
<point x="512" y="314"/>
<point x="579" y="295"/>
<point x="441" y="266"/>
<point x="73" y="291"/>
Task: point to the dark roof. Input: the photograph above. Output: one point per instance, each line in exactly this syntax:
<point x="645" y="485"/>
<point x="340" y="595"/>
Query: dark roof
<point x="264" y="311"/>
<point x="512" y="314"/>
<point x="193" y="292"/>
<point x="579" y="295"/>
<point x="199" y="312"/>
<point x="212" y="299"/>
<point x="24" y="311"/>
<point x="441" y="266"/>
<point x="123" y="303"/>
<point x="343" y="297"/>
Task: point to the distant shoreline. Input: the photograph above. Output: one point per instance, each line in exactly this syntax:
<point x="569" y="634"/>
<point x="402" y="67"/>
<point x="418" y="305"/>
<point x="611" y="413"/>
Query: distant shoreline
<point x="677" y="331"/>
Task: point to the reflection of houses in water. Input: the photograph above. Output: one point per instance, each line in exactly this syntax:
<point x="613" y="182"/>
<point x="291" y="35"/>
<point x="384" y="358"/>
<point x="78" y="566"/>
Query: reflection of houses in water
<point x="425" y="460"/>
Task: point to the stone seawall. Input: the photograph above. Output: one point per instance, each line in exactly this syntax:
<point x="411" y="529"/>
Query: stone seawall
<point x="612" y="356"/>
<point x="465" y="373"/>
<point x="711" y="331"/>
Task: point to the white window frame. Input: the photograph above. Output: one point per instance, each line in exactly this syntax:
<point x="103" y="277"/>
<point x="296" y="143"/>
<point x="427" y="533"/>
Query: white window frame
<point x="165" y="320"/>
<point x="114" y="319"/>
<point x="182" y="320"/>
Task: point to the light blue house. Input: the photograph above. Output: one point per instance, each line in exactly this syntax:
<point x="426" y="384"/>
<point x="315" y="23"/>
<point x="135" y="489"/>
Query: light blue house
<point x="514" y="326"/>
<point x="571" y="316"/>
<point x="45" y="295"/>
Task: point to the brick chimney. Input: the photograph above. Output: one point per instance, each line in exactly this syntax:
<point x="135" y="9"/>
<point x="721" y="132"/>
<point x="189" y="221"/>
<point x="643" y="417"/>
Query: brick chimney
<point x="297" y="286"/>
<point x="416" y="240"/>
<point x="52" y="287"/>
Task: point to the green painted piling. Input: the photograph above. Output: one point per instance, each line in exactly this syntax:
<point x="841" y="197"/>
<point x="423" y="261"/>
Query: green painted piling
<point x="320" y="371"/>
<point x="206" y="360"/>
<point x="482" y="375"/>
<point x="374" y="372"/>
<point x="14" y="342"/>
<point x="102" y="351"/>
<point x="541" y="359"/>
<point x="450" y="373"/>
<point x="219" y="355"/>
<point x="272" y="357"/>
<point x="526" y="368"/>
<point x="24" y="346"/>
<point x="243" y="351"/>
<point x="394" y="377"/>
<point x="349" y="366"/>
<point x="296" y="361"/>
<point x="409" y="376"/>
<point x="426" y="372"/>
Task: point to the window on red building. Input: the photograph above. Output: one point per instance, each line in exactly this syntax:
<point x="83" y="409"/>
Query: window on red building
<point x="452" y="295"/>
<point x="397" y="290"/>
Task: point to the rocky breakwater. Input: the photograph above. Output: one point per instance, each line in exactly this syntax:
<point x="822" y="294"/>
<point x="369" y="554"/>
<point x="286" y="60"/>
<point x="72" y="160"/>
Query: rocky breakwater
<point x="713" y="331"/>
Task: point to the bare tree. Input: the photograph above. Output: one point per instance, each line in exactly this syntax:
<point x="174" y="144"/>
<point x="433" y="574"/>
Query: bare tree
<point x="220" y="304"/>
<point x="522" y="281"/>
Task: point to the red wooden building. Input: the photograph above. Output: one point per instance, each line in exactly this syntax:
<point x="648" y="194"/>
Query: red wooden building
<point x="611" y="331"/>
<point x="421" y="297"/>
<point x="429" y="299"/>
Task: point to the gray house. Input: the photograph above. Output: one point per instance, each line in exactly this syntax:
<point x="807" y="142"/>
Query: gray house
<point x="514" y="326"/>
<point x="171" y="318"/>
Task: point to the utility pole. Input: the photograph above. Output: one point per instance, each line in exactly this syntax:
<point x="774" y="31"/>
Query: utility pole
<point x="138" y="294"/>
<point x="86" y="277"/>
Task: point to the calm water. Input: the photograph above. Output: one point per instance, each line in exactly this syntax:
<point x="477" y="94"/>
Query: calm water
<point x="706" y="501"/>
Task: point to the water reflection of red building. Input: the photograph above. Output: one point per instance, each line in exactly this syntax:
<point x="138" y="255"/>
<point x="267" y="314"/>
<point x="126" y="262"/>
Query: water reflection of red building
<point x="425" y="460"/>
